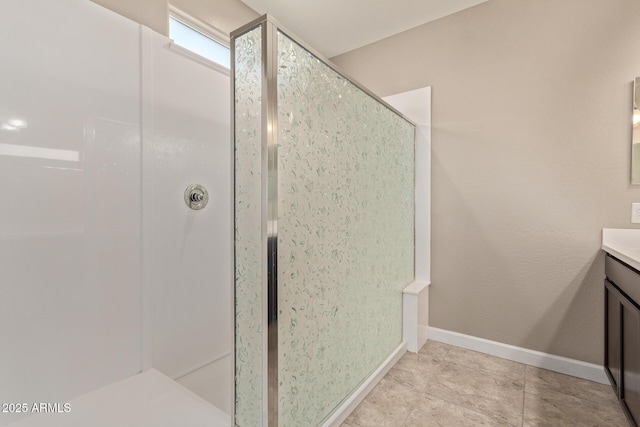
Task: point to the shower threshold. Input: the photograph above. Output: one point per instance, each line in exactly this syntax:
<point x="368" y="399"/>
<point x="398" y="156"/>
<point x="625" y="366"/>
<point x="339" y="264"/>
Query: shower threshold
<point x="148" y="399"/>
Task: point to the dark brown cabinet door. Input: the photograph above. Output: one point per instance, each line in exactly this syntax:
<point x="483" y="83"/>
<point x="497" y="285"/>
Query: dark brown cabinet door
<point x="630" y="386"/>
<point x="622" y="334"/>
<point x="612" y="334"/>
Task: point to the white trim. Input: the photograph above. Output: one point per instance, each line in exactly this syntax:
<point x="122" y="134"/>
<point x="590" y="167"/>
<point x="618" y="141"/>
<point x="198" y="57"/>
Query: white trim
<point x="415" y="288"/>
<point x="415" y="315"/>
<point x="198" y="58"/>
<point x="416" y="105"/>
<point x="423" y="198"/>
<point x="563" y="365"/>
<point x="350" y="403"/>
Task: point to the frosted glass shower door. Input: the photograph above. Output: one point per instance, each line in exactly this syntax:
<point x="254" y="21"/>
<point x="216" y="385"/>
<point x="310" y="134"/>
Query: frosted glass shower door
<point x="324" y="231"/>
<point x="345" y="234"/>
<point x="250" y="244"/>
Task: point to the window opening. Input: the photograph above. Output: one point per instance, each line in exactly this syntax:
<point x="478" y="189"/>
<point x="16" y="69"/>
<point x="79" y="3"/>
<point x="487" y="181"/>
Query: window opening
<point x="196" y="41"/>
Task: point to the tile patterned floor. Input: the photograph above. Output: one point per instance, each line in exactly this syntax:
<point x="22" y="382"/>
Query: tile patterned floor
<point x="443" y="385"/>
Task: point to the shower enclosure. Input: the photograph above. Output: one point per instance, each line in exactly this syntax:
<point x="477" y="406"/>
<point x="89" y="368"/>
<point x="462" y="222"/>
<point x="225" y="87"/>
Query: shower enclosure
<point x="113" y="286"/>
<point x="324" y="223"/>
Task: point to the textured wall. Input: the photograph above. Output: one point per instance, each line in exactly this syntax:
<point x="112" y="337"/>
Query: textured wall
<point x="531" y="146"/>
<point x="150" y="13"/>
<point x="225" y="15"/>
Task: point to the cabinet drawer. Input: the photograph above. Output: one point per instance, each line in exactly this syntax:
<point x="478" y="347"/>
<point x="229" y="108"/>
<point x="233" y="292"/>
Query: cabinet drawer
<point x="625" y="278"/>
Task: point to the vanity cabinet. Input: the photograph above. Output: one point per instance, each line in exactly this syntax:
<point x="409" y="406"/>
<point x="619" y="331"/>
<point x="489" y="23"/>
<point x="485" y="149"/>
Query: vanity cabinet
<point x="622" y="334"/>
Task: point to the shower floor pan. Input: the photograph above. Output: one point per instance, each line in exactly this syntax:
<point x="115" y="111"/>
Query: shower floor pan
<point x="149" y="399"/>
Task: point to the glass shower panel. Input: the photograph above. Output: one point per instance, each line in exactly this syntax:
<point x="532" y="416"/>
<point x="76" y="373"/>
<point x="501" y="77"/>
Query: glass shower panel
<point x="324" y="174"/>
<point x="249" y="242"/>
<point x="345" y="234"/>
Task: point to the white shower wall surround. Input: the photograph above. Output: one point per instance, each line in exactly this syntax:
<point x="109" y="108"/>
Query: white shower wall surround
<point x="104" y="271"/>
<point x="345" y="230"/>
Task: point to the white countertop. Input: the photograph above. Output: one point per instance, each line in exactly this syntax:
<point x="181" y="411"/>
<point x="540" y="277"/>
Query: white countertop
<point x="623" y="244"/>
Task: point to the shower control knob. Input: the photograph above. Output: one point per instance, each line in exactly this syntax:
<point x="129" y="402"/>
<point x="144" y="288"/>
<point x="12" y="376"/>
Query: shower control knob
<point x="196" y="196"/>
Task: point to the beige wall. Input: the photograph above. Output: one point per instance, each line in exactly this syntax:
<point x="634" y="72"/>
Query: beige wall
<point x="531" y="146"/>
<point x="225" y="15"/>
<point x="151" y="13"/>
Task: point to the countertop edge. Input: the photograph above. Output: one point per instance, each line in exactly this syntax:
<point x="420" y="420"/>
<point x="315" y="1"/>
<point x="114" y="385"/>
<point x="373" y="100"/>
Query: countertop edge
<point x="621" y="256"/>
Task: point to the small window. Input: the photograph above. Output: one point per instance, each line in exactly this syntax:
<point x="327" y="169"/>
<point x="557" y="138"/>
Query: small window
<point x="194" y="40"/>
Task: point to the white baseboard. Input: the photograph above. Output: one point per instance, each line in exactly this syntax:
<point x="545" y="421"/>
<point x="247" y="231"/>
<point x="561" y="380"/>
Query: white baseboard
<point x="563" y="365"/>
<point x="350" y="403"/>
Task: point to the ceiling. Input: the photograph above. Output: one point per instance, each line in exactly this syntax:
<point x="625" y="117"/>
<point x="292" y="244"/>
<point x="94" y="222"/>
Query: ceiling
<point x="333" y="27"/>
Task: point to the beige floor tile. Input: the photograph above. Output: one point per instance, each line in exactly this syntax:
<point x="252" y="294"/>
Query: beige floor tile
<point x="431" y="353"/>
<point x="416" y="370"/>
<point x="416" y="380"/>
<point x="432" y="411"/>
<point x="493" y="395"/>
<point x="388" y="405"/>
<point x="540" y="381"/>
<point x="443" y="385"/>
<point x="558" y="409"/>
<point x="485" y="362"/>
<point x="419" y="363"/>
<point x="434" y="350"/>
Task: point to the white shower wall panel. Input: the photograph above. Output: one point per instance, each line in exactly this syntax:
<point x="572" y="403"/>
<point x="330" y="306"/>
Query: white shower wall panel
<point x="191" y="255"/>
<point x="70" y="234"/>
<point x="104" y="270"/>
